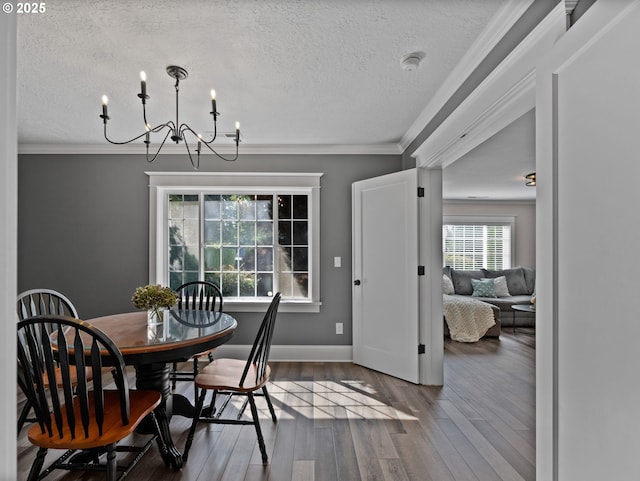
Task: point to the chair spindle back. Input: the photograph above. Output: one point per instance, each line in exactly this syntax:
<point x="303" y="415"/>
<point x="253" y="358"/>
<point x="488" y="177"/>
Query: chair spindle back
<point x="50" y="344"/>
<point x="199" y="295"/>
<point x="43" y="302"/>
<point x="259" y="355"/>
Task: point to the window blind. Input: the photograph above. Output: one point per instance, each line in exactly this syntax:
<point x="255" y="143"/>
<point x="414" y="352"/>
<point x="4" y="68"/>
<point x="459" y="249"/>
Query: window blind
<point x="476" y="246"/>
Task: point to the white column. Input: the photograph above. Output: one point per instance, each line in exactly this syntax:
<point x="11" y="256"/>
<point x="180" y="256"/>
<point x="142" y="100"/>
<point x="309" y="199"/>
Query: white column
<point x="430" y="246"/>
<point x="8" y="242"/>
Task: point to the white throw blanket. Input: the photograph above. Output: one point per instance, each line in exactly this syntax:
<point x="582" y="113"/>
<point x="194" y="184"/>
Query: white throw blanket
<point x="468" y="319"/>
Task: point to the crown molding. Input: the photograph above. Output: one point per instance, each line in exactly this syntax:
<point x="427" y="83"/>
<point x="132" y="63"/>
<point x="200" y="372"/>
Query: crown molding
<point x="265" y="149"/>
<point x="495" y="30"/>
<point x="504" y="95"/>
<point x="514" y="103"/>
<point x="570" y="5"/>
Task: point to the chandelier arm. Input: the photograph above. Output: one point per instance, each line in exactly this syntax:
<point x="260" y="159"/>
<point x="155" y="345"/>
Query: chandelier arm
<point x="144" y="114"/>
<point x="196" y="165"/>
<point x="157" y="128"/>
<point x="159" y="148"/>
<point x="122" y="143"/>
<point x="185" y="128"/>
<point x="215" y="132"/>
<point x="222" y="156"/>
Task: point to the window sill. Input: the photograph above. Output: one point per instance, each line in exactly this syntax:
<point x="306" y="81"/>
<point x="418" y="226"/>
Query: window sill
<point x="286" y="305"/>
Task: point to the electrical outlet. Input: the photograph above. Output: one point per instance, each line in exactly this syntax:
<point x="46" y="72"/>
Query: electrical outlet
<point x="337" y="262"/>
<point x="339" y="328"/>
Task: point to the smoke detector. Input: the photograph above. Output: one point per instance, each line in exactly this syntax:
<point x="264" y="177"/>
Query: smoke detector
<point x="411" y="61"/>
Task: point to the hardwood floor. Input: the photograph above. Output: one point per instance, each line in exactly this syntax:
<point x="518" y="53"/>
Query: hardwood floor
<point x="339" y="421"/>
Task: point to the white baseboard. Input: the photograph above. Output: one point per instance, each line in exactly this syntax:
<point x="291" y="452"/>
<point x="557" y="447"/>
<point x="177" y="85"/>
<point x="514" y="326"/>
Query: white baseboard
<point x="291" y="353"/>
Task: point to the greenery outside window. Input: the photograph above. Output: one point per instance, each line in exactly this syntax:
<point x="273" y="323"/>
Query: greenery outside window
<point x="248" y="237"/>
<point x="471" y="243"/>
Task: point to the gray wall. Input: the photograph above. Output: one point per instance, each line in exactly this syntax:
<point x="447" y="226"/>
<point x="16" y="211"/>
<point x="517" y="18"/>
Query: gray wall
<point x="525" y="223"/>
<point x="83" y="230"/>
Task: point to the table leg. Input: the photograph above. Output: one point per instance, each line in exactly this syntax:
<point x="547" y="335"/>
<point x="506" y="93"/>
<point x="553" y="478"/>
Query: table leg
<point x="182" y="406"/>
<point x="156" y="377"/>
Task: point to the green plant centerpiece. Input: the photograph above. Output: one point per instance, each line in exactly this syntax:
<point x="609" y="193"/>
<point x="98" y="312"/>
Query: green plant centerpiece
<point x="154" y="298"/>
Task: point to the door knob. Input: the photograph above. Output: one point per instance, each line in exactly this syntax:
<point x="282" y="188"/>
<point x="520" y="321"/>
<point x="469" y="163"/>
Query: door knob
<point x="356" y="282"/>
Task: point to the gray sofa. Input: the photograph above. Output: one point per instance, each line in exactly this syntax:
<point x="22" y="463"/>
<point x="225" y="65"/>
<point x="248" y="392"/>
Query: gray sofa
<point x="521" y="283"/>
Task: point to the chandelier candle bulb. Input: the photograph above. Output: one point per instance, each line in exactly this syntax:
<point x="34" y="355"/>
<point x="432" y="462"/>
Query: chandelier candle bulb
<point x="213" y="104"/>
<point x="143" y="84"/>
<point x="237" y="132"/>
<point x="105" y="101"/>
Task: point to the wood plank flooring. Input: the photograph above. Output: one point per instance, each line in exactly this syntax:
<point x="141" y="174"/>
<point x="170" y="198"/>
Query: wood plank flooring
<point x="339" y="421"/>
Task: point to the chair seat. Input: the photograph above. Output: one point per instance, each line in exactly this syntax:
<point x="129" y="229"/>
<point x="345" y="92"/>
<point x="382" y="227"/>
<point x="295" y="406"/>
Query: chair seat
<point x="225" y="375"/>
<point x="142" y="403"/>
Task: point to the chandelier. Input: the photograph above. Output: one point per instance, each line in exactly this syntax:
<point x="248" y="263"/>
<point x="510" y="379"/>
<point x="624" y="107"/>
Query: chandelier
<point x="177" y="130"/>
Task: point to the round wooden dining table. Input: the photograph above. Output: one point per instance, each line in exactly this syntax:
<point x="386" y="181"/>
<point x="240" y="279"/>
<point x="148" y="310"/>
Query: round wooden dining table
<point x="149" y="347"/>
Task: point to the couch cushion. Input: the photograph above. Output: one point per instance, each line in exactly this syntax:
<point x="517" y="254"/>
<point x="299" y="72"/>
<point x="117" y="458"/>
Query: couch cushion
<point x="504" y="303"/>
<point x="530" y="279"/>
<point x="446" y="270"/>
<point x="483" y="288"/>
<point x="462" y="280"/>
<point x="500" y="287"/>
<point x="447" y="285"/>
<point x="515" y="280"/>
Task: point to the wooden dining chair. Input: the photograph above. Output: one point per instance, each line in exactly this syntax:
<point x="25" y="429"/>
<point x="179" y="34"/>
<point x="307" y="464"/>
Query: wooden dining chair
<point x="202" y="296"/>
<point x="39" y="302"/>
<point x="90" y="416"/>
<point x="44" y="302"/>
<point x="239" y="378"/>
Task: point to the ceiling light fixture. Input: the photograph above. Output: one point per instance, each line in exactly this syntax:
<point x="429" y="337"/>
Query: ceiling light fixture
<point x="531" y="179"/>
<point x="177" y="130"/>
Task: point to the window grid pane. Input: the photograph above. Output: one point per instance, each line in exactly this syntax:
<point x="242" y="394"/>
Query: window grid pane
<point x="183" y="239"/>
<point x="293" y="257"/>
<point x="237" y="250"/>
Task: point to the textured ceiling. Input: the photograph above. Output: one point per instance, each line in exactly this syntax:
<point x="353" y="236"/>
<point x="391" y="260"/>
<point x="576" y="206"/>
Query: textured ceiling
<point x="319" y="73"/>
<point x="312" y="72"/>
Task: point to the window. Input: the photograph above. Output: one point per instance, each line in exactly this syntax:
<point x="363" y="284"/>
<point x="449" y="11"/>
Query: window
<point x="474" y="243"/>
<point x="236" y="230"/>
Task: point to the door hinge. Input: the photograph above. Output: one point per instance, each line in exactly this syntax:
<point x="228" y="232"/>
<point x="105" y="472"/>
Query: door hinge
<point x="420" y="191"/>
<point x="421" y="270"/>
<point x="422" y="349"/>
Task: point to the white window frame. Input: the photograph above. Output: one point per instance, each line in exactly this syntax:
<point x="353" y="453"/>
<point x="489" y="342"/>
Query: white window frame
<point x="484" y="220"/>
<point x="163" y="183"/>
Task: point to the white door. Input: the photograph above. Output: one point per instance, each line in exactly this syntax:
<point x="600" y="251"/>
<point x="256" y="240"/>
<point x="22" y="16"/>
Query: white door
<point x="385" y="274"/>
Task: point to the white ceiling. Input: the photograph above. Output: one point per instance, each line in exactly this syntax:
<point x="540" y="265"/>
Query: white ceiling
<point x="321" y="73"/>
<point x="496" y="168"/>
